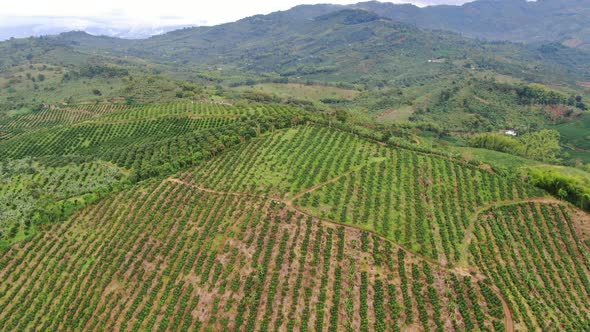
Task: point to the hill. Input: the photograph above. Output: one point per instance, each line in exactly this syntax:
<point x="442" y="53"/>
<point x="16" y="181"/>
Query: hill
<point x="562" y="21"/>
<point x="291" y="230"/>
<point x="319" y="168"/>
<point x="429" y="75"/>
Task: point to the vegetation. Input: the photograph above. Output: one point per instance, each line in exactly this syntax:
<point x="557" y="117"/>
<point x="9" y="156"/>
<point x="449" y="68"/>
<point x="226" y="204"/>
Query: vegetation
<point x="571" y="186"/>
<point x="33" y="194"/>
<point x="183" y="248"/>
<point x="533" y="253"/>
<point x="542" y="145"/>
<point x="322" y="168"/>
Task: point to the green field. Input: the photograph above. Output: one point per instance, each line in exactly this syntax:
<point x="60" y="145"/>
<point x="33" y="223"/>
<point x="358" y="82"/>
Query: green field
<point x="303" y="228"/>
<point x="576" y="137"/>
<point x="324" y="168"/>
<point x="576" y="133"/>
<point x="309" y="92"/>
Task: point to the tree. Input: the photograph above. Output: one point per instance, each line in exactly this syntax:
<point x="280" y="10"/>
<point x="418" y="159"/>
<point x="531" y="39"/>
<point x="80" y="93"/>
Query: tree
<point x="541" y="145"/>
<point x="562" y="193"/>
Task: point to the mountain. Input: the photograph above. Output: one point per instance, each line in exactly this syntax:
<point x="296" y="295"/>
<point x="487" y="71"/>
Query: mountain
<point x="542" y="21"/>
<point x="431" y="72"/>
<point x="332" y="43"/>
<point x="54" y="26"/>
<point x="563" y="21"/>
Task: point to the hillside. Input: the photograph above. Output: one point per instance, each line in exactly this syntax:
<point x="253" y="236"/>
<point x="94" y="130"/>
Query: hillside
<point x="232" y="240"/>
<point x="428" y="76"/>
<point x="562" y="21"/>
<point x="322" y="168"/>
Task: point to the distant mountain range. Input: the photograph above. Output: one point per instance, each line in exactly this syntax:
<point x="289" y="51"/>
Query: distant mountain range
<point x="357" y="47"/>
<point x="320" y="42"/>
<point x="44" y="26"/>
<point x="563" y="21"/>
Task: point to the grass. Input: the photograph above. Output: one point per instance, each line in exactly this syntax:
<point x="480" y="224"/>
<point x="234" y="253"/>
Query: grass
<point x="576" y="133"/>
<point x="303" y="91"/>
<point x="402" y="113"/>
<point x="494" y="158"/>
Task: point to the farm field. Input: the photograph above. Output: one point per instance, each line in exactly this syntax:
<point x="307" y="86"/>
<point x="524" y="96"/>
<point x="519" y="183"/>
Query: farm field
<point x="233" y="243"/>
<point x="575" y="133"/>
<point x="56" y="167"/>
<point x="195" y="216"/>
<point x="421" y="201"/>
<point x="330" y="167"/>
<point x="170" y="256"/>
<point x="312" y="92"/>
<point x="540" y="260"/>
<point x="33" y="193"/>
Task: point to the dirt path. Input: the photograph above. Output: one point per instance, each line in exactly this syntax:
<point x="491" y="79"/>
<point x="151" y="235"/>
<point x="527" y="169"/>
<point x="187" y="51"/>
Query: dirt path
<point x="464" y="245"/>
<point x="509" y="322"/>
<point x="353" y="169"/>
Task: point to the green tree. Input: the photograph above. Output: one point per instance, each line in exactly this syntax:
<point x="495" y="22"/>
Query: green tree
<point x="562" y="193"/>
<point x="541" y="145"/>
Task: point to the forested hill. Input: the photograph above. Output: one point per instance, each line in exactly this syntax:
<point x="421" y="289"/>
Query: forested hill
<point x="563" y="21"/>
<point x="324" y="42"/>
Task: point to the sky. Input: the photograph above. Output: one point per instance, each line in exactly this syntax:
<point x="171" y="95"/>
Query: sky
<point x="43" y="15"/>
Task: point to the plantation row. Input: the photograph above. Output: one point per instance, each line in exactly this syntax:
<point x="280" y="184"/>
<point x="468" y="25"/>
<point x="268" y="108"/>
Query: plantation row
<point x="421" y="201"/>
<point x="32" y="193"/>
<point x="286" y="162"/>
<point x="533" y="254"/>
<point x="195" y="110"/>
<point x="77" y="138"/>
<point x="142" y="147"/>
<point x="52" y="117"/>
<point x="170" y="257"/>
<point x="167" y="156"/>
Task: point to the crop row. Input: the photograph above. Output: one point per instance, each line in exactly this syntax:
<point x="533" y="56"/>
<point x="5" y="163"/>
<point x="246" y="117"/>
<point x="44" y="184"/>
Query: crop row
<point x="77" y="138"/>
<point x="54" y="116"/>
<point x="286" y="162"/>
<point x="196" y="110"/>
<point x="532" y="253"/>
<point x="425" y="202"/>
<point x="170" y="257"/>
<point x="421" y="201"/>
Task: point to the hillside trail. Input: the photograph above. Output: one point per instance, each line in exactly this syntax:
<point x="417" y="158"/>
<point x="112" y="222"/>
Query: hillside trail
<point x="509" y="322"/>
<point x="468" y="237"/>
<point x="291" y="201"/>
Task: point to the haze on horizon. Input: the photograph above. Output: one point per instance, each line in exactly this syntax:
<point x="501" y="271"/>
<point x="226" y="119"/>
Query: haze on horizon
<point x="140" y="19"/>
